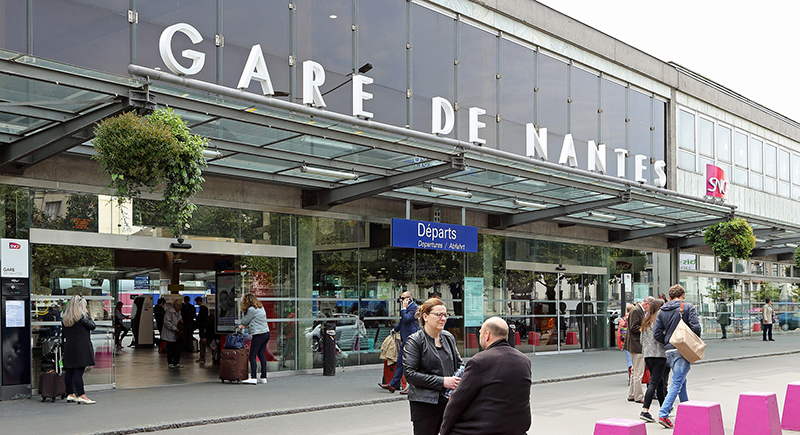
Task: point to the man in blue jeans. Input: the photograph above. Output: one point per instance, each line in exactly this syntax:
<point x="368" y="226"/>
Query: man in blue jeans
<point x="665" y="325"/>
<point x="408" y="325"/>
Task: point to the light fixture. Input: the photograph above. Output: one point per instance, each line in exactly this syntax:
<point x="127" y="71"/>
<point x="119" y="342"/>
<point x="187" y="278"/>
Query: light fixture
<point x="333" y="16"/>
<point x="211" y="154"/>
<point x="603" y="216"/>
<point x="760" y="241"/>
<point x="328" y="173"/>
<point x="791" y="245"/>
<point x="536" y="205"/>
<point x="654" y="224"/>
<point x="444" y="191"/>
<point x="180" y="244"/>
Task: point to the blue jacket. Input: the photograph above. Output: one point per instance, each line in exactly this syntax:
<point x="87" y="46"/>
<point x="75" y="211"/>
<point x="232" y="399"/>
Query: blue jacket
<point x="667" y="321"/>
<point x="408" y="321"/>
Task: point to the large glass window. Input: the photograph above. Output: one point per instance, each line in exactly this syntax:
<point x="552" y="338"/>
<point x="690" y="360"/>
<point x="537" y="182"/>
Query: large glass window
<point x="770" y="167"/>
<point x="613" y="120"/>
<point x="382" y="43"/>
<point x="783" y="164"/>
<point x="13" y="25"/>
<point x="756" y="159"/>
<point x="796" y="169"/>
<point x="551" y="101"/>
<point x="433" y="53"/>
<point x="92" y="34"/>
<point x="686" y="128"/>
<point x="659" y="129"/>
<point x="584" y="106"/>
<point x="640" y="109"/>
<point x="517" y="96"/>
<point x="325" y="36"/>
<point x="477" y="86"/>
<point x="723" y="144"/>
<point x="705" y="137"/>
<point x="740" y="149"/>
<point x="250" y="22"/>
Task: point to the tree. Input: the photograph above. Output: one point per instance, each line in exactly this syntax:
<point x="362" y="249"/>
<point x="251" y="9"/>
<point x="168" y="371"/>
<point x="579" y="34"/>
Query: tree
<point x="723" y="290"/>
<point x="767" y="290"/>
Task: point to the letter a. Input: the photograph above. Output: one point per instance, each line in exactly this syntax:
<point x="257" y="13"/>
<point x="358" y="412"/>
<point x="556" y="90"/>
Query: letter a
<point x="256" y="69"/>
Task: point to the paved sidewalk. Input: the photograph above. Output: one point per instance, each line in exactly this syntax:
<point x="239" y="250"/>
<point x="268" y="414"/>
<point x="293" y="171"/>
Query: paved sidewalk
<point x="147" y="409"/>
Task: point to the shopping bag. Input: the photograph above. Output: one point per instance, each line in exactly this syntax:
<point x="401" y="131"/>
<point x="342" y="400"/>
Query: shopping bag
<point x="234" y="341"/>
<point x="691" y="347"/>
<point x="646" y="376"/>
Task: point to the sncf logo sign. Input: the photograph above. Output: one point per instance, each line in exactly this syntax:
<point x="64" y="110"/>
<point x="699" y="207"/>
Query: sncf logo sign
<point x="12" y="245"/>
<point x="716" y="182"/>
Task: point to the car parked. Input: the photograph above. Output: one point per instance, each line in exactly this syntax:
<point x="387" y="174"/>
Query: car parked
<point x="789" y="321"/>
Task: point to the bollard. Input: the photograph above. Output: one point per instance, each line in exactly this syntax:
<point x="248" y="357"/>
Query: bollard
<point x="791" y="408"/>
<point x="472" y="341"/>
<point x="329" y="349"/>
<point x="619" y="426"/>
<point x="699" y="418"/>
<point x="756" y="327"/>
<point x="572" y="337"/>
<point x="757" y="414"/>
<point x="533" y="338"/>
<point x="517" y="340"/>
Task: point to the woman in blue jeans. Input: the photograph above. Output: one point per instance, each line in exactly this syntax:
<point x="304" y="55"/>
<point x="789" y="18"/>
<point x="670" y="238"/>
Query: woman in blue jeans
<point x="255" y="320"/>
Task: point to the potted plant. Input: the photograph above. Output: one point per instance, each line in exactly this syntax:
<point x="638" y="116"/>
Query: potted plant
<point x="148" y="152"/>
<point x="730" y="239"/>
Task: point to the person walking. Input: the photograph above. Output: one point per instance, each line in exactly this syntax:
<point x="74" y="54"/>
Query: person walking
<point x="666" y="322"/>
<point x="430" y="359"/>
<point x="255" y="320"/>
<point x="158" y="313"/>
<point x="188" y="314"/>
<point x="655" y="358"/>
<point x="172" y="334"/>
<point x="633" y="345"/>
<point x="495" y="390"/>
<point x="201" y="322"/>
<point x="407" y="325"/>
<point x="622" y="332"/>
<point x="78" y="350"/>
<point x="119" y="325"/>
<point x="767" y="314"/>
<point x="722" y="316"/>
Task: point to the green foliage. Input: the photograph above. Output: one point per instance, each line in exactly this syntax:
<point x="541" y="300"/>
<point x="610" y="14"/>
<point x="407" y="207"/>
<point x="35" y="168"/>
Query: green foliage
<point x="54" y="261"/>
<point x="148" y="152"/>
<point x="723" y="289"/>
<point x="730" y="239"/>
<point x="767" y="290"/>
<point x="797" y="257"/>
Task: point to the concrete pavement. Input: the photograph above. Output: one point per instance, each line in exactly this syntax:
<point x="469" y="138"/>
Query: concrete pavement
<point x="127" y="411"/>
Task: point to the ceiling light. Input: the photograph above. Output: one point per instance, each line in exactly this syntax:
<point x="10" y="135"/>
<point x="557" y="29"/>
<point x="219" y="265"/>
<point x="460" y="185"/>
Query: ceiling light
<point x="760" y="241"/>
<point x="654" y="224"/>
<point x="333" y="16"/>
<point x="791" y="245"/>
<point x="328" y="172"/>
<point x="536" y="205"/>
<point x="211" y="154"/>
<point x="444" y="191"/>
<point x="603" y="216"/>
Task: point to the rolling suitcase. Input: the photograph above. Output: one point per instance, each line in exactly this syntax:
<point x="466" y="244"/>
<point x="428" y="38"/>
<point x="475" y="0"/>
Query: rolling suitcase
<point x="51" y="380"/>
<point x="388" y="374"/>
<point x="233" y="365"/>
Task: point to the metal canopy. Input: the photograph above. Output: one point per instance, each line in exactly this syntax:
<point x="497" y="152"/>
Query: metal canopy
<point x="47" y="108"/>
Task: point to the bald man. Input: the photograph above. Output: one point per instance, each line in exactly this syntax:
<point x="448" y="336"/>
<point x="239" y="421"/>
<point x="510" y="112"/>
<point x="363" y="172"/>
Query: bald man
<point x="493" y="396"/>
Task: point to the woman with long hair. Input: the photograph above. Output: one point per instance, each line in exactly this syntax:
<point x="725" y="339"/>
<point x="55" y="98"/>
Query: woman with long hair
<point x="255" y="320"/>
<point x="655" y="358"/>
<point x="430" y="358"/>
<point x="78" y="350"/>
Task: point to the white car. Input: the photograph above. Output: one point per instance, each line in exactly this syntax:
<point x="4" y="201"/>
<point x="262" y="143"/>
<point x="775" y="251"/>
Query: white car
<point x="350" y="332"/>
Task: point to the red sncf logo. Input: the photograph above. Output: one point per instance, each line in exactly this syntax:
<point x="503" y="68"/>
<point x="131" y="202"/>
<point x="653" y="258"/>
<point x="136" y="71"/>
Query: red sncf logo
<point x="12" y="245"/>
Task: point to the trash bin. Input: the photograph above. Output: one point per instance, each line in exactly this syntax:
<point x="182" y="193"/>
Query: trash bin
<point x="512" y="334"/>
<point x="329" y="349"/>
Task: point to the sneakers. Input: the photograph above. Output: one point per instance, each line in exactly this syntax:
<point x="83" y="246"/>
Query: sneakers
<point x="172" y="366"/>
<point x="176" y="366"/>
<point x="666" y="422"/>
<point x="250" y="381"/>
<point x="262" y="380"/>
<point x="647" y="417"/>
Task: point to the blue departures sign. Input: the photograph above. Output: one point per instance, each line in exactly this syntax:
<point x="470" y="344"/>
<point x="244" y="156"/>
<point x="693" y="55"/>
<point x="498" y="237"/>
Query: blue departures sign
<point x="431" y="235"/>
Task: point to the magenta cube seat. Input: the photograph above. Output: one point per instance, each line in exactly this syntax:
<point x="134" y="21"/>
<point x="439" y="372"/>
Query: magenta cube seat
<point x="472" y="341"/>
<point x="572" y="337"/>
<point x="757" y="414"/>
<point x="791" y="408"/>
<point x="619" y="426"/>
<point x="699" y="418"/>
<point x="533" y="338"/>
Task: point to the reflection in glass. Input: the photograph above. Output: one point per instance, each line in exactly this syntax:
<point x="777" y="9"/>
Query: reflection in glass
<point x="477" y="86"/>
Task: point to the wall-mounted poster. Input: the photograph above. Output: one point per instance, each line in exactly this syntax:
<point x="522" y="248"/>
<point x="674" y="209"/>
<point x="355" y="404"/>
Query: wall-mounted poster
<point x="473" y="301"/>
<point x="225" y="309"/>
<point x="15" y="314"/>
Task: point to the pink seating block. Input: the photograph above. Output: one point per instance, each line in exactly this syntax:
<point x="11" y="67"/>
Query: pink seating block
<point x="572" y="337"/>
<point x="699" y="418"/>
<point x="619" y="426"/>
<point x="791" y="408"/>
<point x="472" y="341"/>
<point x="533" y="338"/>
<point x="517" y="340"/>
<point x="757" y="414"/>
<point x="756" y="327"/>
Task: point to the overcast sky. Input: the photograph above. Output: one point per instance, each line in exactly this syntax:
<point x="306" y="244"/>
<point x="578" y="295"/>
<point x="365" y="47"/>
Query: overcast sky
<point x="748" y="47"/>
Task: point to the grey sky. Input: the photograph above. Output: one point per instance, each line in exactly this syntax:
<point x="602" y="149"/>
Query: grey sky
<point x="750" y="48"/>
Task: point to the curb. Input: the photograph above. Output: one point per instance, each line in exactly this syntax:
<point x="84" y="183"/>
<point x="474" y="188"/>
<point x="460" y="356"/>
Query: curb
<point x="276" y="413"/>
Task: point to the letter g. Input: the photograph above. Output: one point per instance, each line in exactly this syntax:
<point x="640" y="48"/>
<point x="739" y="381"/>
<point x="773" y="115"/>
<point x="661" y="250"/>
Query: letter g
<point x="165" y="48"/>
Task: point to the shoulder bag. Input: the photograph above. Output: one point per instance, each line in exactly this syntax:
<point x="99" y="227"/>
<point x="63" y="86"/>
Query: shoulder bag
<point x="691" y="347"/>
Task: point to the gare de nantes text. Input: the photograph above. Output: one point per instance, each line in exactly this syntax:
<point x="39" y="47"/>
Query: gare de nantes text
<point x="442" y="113"/>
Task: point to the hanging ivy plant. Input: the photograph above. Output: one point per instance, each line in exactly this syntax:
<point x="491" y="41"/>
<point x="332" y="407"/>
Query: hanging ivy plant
<point x="730" y="239"/>
<point x="146" y="152"/>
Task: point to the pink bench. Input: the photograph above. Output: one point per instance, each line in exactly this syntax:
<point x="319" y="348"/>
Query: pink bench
<point x="472" y="341"/>
<point x="791" y="408"/>
<point x="533" y="338"/>
<point x="699" y="418"/>
<point x="619" y="426"/>
<point x="757" y="414"/>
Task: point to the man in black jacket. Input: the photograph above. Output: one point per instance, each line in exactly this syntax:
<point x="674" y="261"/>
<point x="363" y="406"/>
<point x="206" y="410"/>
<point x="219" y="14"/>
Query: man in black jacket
<point x="667" y="320"/>
<point x="188" y="314"/>
<point x="493" y="396"/>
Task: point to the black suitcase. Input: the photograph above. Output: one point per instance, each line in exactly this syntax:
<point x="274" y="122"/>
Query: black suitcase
<point x="51" y="380"/>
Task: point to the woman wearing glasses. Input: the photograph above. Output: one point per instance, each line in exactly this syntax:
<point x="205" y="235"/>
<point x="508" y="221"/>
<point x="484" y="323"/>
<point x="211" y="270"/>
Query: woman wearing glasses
<point x="430" y="358"/>
<point x="78" y="349"/>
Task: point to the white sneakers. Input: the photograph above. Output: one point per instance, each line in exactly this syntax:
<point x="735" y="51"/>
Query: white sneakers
<point x="250" y="381"/>
<point x="262" y="380"/>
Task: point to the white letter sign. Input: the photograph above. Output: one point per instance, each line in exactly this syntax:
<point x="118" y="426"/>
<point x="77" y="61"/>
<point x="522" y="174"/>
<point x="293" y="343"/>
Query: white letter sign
<point x="568" y="155"/>
<point x="313" y="78"/>
<point x="535" y="144"/>
<point x="165" y="47"/>
<point x="639" y="168"/>
<point x="359" y="96"/>
<point x="256" y="69"/>
<point x="597" y="157"/>
<point x="440" y="106"/>
<point x="474" y="125"/>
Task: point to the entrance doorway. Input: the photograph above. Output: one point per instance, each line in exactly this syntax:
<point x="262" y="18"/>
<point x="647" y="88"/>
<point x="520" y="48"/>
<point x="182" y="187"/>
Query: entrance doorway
<point x="557" y="308"/>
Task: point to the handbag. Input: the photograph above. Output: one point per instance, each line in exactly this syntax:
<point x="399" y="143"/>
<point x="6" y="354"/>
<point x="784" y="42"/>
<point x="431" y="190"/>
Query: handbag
<point x="691" y="347"/>
<point x="234" y="341"/>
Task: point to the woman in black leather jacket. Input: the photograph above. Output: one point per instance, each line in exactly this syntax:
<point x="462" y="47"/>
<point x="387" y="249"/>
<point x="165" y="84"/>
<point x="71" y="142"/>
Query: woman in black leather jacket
<point x="430" y="358"/>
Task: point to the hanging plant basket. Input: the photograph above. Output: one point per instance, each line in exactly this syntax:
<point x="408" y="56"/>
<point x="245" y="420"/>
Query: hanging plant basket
<point x="147" y="152"/>
<point x="730" y="239"/>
